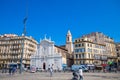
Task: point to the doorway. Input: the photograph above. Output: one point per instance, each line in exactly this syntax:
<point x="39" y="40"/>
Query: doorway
<point x="44" y="66"/>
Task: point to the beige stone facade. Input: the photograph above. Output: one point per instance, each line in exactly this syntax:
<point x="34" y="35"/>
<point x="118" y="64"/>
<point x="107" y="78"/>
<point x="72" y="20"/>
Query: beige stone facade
<point x="118" y="53"/>
<point x="100" y="38"/>
<point x="87" y="52"/>
<point x="94" y="48"/>
<point x="11" y="48"/>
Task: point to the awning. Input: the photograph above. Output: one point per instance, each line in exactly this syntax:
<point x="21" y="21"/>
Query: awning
<point x="104" y="65"/>
<point x="110" y="62"/>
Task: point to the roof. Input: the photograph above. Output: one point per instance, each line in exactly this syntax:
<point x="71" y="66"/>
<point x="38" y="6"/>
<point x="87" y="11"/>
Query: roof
<point x="61" y="47"/>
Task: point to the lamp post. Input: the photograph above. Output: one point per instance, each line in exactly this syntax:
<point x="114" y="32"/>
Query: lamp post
<point x="23" y="39"/>
<point x="21" y="59"/>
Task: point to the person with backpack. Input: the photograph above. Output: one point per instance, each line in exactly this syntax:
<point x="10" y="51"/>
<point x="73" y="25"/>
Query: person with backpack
<point x="75" y="75"/>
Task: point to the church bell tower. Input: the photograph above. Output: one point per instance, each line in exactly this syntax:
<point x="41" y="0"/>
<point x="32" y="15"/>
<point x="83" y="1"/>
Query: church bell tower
<point x="69" y="44"/>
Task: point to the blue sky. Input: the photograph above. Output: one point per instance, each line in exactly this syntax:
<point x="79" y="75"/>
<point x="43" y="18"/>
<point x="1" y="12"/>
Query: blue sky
<point x="56" y="17"/>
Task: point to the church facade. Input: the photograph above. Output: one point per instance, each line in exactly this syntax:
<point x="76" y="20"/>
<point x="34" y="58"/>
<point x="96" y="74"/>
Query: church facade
<point x="49" y="54"/>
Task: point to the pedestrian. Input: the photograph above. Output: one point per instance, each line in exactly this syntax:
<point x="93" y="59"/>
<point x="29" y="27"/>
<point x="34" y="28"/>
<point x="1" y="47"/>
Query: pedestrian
<point x="51" y="71"/>
<point x="64" y="69"/>
<point x="58" y="69"/>
<point x="10" y="70"/>
<point x="75" y="75"/>
<point x="49" y="68"/>
<point x="93" y="68"/>
<point x="115" y="67"/>
<point x="104" y="69"/>
<point x="109" y="68"/>
<point x="80" y="73"/>
<point x="13" y="70"/>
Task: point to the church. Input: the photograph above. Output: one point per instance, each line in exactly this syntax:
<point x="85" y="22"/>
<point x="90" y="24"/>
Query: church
<point x="49" y="54"/>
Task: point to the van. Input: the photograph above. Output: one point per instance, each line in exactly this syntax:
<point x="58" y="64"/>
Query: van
<point x="76" y="68"/>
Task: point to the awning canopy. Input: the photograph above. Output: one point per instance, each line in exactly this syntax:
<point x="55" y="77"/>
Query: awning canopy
<point x="104" y="65"/>
<point x="110" y="62"/>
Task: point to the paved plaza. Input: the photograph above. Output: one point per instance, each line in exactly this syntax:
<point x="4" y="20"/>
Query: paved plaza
<point x="59" y="76"/>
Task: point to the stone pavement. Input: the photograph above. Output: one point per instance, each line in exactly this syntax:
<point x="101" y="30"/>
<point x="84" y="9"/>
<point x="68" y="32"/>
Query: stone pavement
<point x="58" y="76"/>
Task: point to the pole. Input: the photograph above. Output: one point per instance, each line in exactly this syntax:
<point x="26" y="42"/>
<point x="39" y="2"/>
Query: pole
<point x="22" y="55"/>
<point x="24" y="33"/>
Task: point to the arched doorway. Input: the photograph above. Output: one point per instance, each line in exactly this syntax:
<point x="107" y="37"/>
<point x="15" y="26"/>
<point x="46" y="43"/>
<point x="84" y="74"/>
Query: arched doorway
<point x="44" y="66"/>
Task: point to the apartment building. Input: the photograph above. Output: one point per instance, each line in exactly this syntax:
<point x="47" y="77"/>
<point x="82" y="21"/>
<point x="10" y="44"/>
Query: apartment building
<point x="100" y="38"/>
<point x="118" y="53"/>
<point x="88" y="52"/>
<point x="13" y="46"/>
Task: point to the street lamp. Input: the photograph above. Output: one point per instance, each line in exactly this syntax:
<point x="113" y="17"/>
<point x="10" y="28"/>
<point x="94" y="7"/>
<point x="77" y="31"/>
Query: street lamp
<point x="21" y="59"/>
<point x="23" y="39"/>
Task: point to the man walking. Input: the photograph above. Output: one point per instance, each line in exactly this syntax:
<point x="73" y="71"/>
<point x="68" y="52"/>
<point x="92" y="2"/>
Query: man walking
<point x="51" y="71"/>
<point x="80" y="73"/>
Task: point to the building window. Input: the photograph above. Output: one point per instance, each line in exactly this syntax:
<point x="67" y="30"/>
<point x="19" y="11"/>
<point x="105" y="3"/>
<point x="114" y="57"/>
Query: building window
<point x="76" y="45"/>
<point x="79" y="55"/>
<point x="82" y="55"/>
<point x="117" y="54"/>
<point x="82" y="49"/>
<point x="82" y="44"/>
<point x="75" y="40"/>
<point x="89" y="50"/>
<point x="76" y="62"/>
<point x="81" y="61"/>
<point x="79" y="45"/>
<point x="88" y="44"/>
<point x="76" y="50"/>
<point x="117" y="49"/>
<point x="76" y="56"/>
<point x="89" y="55"/>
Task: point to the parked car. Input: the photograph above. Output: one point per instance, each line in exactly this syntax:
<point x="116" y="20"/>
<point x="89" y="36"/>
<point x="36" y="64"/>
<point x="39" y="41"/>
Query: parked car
<point x="39" y="69"/>
<point x="67" y="69"/>
<point x="76" y="68"/>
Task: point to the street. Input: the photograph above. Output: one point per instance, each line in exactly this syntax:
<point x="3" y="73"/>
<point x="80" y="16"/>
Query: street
<point x="59" y="76"/>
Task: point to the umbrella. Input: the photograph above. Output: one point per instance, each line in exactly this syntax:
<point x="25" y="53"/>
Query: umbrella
<point x="110" y="62"/>
<point x="104" y="65"/>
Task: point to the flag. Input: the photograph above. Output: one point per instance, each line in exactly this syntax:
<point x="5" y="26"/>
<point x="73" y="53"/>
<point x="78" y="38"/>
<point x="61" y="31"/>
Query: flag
<point x="25" y="19"/>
